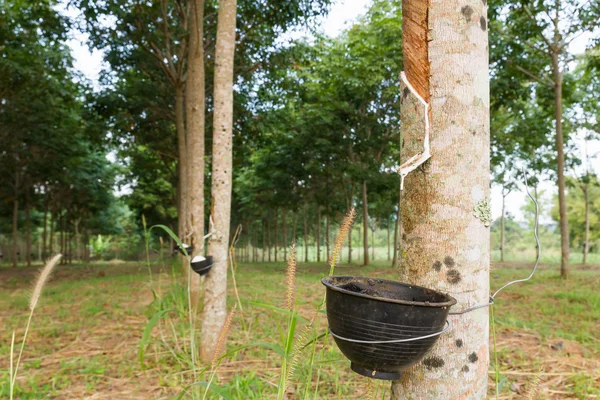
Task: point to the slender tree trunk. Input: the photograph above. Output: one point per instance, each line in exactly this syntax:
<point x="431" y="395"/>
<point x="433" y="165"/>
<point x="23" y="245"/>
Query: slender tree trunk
<point x="285" y="243"/>
<point x="215" y="306"/>
<point x="445" y="243"/>
<point x="44" y="237"/>
<point x="388" y="240"/>
<point x="327" y="222"/>
<point x="269" y="238"/>
<point x="52" y="223"/>
<point x="318" y="234"/>
<point x="586" y="236"/>
<point x="276" y="232"/>
<point x="350" y="245"/>
<point x="560" y="162"/>
<point x="502" y="228"/>
<point x="77" y="248"/>
<point x="182" y="189"/>
<point x="372" y="244"/>
<point x="193" y="137"/>
<point x="294" y="226"/>
<point x="264" y="241"/>
<point x="28" y="228"/>
<point x="365" y="208"/>
<point x="305" y="233"/>
<point x="15" y="230"/>
<point x="396" y="242"/>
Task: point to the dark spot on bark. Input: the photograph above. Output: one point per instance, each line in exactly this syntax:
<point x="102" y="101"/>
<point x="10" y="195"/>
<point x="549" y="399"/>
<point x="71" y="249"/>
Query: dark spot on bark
<point x="437" y="266"/>
<point x="459" y="343"/>
<point x="473" y="357"/>
<point x="454" y="276"/>
<point x="433" y="362"/>
<point x="484" y="2"/>
<point x="449" y="261"/>
<point x="474" y="133"/>
<point x="405" y="93"/>
<point x="465" y="368"/>
<point x="483" y="23"/>
<point x="467" y="12"/>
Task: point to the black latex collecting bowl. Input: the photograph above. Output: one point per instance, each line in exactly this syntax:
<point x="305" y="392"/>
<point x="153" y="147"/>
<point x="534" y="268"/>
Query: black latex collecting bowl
<point x="202" y="267"/>
<point x="377" y="310"/>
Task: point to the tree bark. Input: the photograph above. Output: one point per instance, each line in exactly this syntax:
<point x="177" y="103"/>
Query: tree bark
<point x="586" y="235"/>
<point x="77" y="248"/>
<point x="365" y="209"/>
<point x="15" y="230"/>
<point x="327" y="222"/>
<point x="284" y="217"/>
<point x="193" y="203"/>
<point x="264" y="241"/>
<point x="502" y="228"/>
<point x="445" y="243"/>
<point x="182" y="189"/>
<point x="215" y="307"/>
<point x="350" y="244"/>
<point x="28" y="228"/>
<point x="318" y="234"/>
<point x="388" y="240"/>
<point x="269" y="239"/>
<point x="52" y="223"/>
<point x="305" y="233"/>
<point x="560" y="165"/>
<point x="276" y="241"/>
<point x="44" y="237"/>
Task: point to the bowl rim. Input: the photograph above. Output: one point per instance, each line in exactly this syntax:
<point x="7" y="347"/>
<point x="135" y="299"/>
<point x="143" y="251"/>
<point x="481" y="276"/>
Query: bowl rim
<point x="452" y="301"/>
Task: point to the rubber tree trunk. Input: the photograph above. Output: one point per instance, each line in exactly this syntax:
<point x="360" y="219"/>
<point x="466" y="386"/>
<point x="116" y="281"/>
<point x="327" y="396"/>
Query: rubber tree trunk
<point x="388" y="241"/>
<point x="215" y="307"/>
<point x="15" y="232"/>
<point x="318" y="234"/>
<point x="44" y="231"/>
<point x="502" y="221"/>
<point x="586" y="235"/>
<point x="269" y="236"/>
<point x="560" y="165"/>
<point x="445" y="202"/>
<point x="365" y="209"/>
<point x="193" y="203"/>
<point x="327" y="223"/>
<point x="52" y="223"/>
<point x="28" y="228"/>
<point x="182" y="187"/>
<point x="276" y="241"/>
<point x="305" y="218"/>
<point x="264" y="241"/>
<point x="285" y="242"/>
<point x="77" y="239"/>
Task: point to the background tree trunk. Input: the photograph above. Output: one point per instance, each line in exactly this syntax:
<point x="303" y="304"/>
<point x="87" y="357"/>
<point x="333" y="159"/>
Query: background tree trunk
<point x="305" y="233"/>
<point x="44" y="231"/>
<point x="276" y="233"/>
<point x="285" y="243"/>
<point x="586" y="235"/>
<point x="15" y="230"/>
<point x="327" y="223"/>
<point x="194" y="151"/>
<point x="444" y="245"/>
<point x="365" y="208"/>
<point x="318" y="234"/>
<point x="182" y="189"/>
<point x="269" y="235"/>
<point x="560" y="164"/>
<point x="28" y="227"/>
<point x="215" y="306"/>
<point x="502" y="228"/>
<point x="52" y="222"/>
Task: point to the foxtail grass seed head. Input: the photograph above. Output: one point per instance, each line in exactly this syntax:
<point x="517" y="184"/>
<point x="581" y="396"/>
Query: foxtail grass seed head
<point x="296" y="353"/>
<point x="223" y="337"/>
<point x="291" y="279"/>
<point x="42" y="280"/>
<point x="341" y="237"/>
<point x="534" y="387"/>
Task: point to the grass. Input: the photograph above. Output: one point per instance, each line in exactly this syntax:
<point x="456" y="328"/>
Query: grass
<point x="85" y="335"/>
